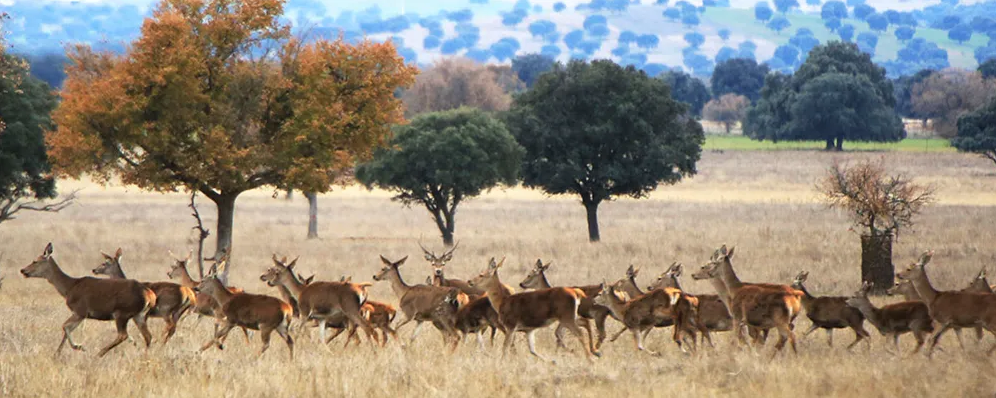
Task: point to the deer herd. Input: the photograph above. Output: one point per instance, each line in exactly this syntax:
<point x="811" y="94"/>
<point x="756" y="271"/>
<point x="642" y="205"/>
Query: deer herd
<point x="485" y="303"/>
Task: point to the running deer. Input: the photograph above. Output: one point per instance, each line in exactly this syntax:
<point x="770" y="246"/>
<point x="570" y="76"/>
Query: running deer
<point x="712" y="313"/>
<point x="629" y="286"/>
<point x="645" y="312"/>
<point x="895" y="319"/>
<point x="119" y="300"/>
<point x="421" y="303"/>
<point x="830" y="312"/>
<point x="253" y="311"/>
<point x="380" y="315"/>
<point x="172" y="299"/>
<point x="204" y="304"/>
<point x="589" y="310"/>
<point x="324" y="301"/>
<point x="979" y="284"/>
<point x="951" y="310"/>
<point x="529" y="311"/>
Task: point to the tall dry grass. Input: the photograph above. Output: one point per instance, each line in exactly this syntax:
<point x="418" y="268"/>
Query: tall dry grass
<point x="767" y="209"/>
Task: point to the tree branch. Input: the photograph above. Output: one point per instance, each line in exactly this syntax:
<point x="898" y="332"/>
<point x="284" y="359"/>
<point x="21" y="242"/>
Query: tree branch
<point x="12" y="207"/>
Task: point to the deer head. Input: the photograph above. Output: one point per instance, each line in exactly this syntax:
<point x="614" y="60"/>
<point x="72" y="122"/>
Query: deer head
<point x="438" y="262"/>
<point x="916" y="270"/>
<point x="42" y="266"/>
<point x="111" y="265"/>
<point x="489" y="277"/>
<point x="534" y="279"/>
<point x="179" y="267"/>
<point x="388" y="268"/>
<point x="281" y="270"/>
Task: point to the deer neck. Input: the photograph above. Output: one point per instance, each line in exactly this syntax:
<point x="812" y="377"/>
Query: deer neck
<point x="722" y="291"/>
<point x="807" y="298"/>
<point x="631" y="288"/>
<point x="729" y="277"/>
<point x="293" y="286"/>
<point x="222" y="294"/>
<point x="924" y="288"/>
<point x="872" y="314"/>
<point x="617" y="306"/>
<point x="398" y="285"/>
<point x="496" y="293"/>
<point x="543" y="282"/>
<point x="675" y="284"/>
<point x="186" y="280"/>
<point x="60" y="280"/>
<point x="116" y="272"/>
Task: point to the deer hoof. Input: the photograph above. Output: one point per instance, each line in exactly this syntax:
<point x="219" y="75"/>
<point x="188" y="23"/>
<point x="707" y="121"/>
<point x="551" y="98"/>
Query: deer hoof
<point x="77" y="347"/>
<point x="597" y="353"/>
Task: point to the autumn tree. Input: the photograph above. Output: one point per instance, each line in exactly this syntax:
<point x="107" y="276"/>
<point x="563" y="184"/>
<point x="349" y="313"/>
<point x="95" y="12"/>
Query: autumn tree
<point x="600" y="130"/>
<point x="443" y="159"/>
<point x="879" y="204"/>
<point x="728" y="110"/>
<point x="217" y="96"/>
<point x="452" y="83"/>
<point x="947" y="95"/>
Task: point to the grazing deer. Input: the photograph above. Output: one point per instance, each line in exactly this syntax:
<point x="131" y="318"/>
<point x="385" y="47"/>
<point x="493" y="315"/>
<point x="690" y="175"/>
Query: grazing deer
<point x="324" y="301"/>
<point x="830" y="312"/>
<point x="172" y="299"/>
<point x="712" y="313"/>
<point x="951" y="310"/>
<point x="529" y="311"/>
<point x="895" y="319"/>
<point x="204" y="304"/>
<point x="589" y="310"/>
<point x="119" y="300"/>
<point x="645" y="312"/>
<point x="253" y="311"/>
<point x="421" y="303"/>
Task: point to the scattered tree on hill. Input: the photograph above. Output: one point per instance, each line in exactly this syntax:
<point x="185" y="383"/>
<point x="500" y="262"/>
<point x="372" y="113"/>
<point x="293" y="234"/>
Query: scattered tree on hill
<point x="690" y="20"/>
<point x="833" y="10"/>
<point x="452" y="83"/>
<point x="688" y="89"/>
<point x="441" y="160"/>
<point x="878" y="22"/>
<point x="904" y="33"/>
<point x="528" y="67"/>
<point x="988" y="68"/>
<point x="694" y="39"/>
<point x="620" y="133"/>
<point x="833" y="24"/>
<point x="784" y="6"/>
<point x="947" y="95"/>
<point x="672" y="13"/>
<point x="728" y="109"/>
<point x="762" y="11"/>
<point x="648" y="41"/>
<point x="724" y="54"/>
<point x="212" y="117"/>
<point x="788" y="54"/>
<point x="862" y="11"/>
<point x="977" y="131"/>
<point x="960" y="33"/>
<point x="880" y="204"/>
<point x="724" y="34"/>
<point x="778" y="24"/>
<point x="739" y="76"/>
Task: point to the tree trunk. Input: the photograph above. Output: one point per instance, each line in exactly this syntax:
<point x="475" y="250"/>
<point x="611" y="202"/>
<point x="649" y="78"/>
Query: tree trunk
<point x="289" y="195"/>
<point x="829" y="146"/>
<point x="444" y="222"/>
<point x="592" y="209"/>
<point x="876" y="261"/>
<point x="312" y="214"/>
<point x="226" y="219"/>
<point x="840" y="144"/>
<point x="728" y="125"/>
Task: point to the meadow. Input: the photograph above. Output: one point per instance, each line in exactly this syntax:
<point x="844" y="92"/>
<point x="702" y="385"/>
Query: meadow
<point x="761" y="201"/>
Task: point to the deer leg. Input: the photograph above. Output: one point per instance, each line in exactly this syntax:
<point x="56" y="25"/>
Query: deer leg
<point x="559" y="334"/>
<point x="245" y="332"/>
<point x="480" y="339"/>
<point x="170" y="327"/>
<point x="418" y="326"/>
<point x="68" y="327"/>
<point x="283" y="331"/>
<point x="338" y="331"/>
<point x="219" y="337"/>
<point x="829" y="337"/>
<point x="143" y="328"/>
<point x="619" y="333"/>
<point x="936" y="338"/>
<point x="961" y="344"/>
<point x="638" y="339"/>
<point x="920" y="339"/>
<point x="361" y="322"/>
<point x="122" y="326"/>
<point x="531" y="339"/>
<point x="600" y="327"/>
<point x="264" y="334"/>
<point x="508" y="340"/>
<point x="321" y="329"/>
<point x="859" y="334"/>
<point x="591" y="335"/>
<point x="812" y="328"/>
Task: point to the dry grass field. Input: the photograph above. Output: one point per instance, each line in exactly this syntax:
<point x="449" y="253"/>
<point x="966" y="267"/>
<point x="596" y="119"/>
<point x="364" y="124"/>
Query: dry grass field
<point x="762" y="202"/>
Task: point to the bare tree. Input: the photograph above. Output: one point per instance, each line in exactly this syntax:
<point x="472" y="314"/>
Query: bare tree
<point x="880" y="204"/>
<point x="948" y="94"/>
<point x="728" y="110"/>
<point x="452" y="83"/>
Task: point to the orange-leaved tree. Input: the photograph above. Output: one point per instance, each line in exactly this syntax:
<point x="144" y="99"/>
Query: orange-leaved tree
<point x="219" y="97"/>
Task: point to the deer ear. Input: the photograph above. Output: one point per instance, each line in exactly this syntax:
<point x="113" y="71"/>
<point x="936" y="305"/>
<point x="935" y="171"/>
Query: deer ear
<point x="382" y="259"/>
<point x="276" y="260"/>
<point x="729" y="254"/>
<point x="492" y="264"/>
<point x="500" y="263"/>
<point x="677" y="270"/>
<point x="118" y="253"/>
<point x="401" y="261"/>
<point x="48" y="250"/>
<point x="293" y="263"/>
<point x="106" y="256"/>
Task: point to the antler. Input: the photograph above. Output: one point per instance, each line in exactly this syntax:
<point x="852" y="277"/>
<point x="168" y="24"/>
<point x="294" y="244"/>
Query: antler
<point x="428" y="253"/>
<point x="450" y="252"/>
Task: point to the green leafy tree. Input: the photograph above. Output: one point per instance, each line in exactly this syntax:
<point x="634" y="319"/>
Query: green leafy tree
<point x="599" y="130"/>
<point x="442" y="159"/>
<point x="988" y="68"/>
<point x="903" y="91"/>
<point x="977" y="131"/>
<point x="528" y="67"/>
<point x="688" y="89"/>
<point x="739" y="76"/>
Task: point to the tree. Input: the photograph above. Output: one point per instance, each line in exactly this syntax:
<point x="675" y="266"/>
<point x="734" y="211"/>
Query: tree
<point x="833" y="24"/>
<point x="688" y="89"/>
<point x="977" y="131"/>
<point x="724" y="34"/>
<point x="903" y="91"/>
<point x="574" y="38"/>
<point x="690" y="20"/>
<point x="948" y="94"/>
<point x="739" y="76"/>
<point x="862" y="11"/>
<point x="788" y="54"/>
<point x="960" y="33"/>
<point x="672" y="13"/>
<point x="804" y="43"/>
<point x="727" y="109"/>
<point x="879" y="203"/>
<point x="648" y="41"/>
<point x="867" y="38"/>
<point x="452" y="83"/>
<point x="779" y="23"/>
<point x="904" y="33"/>
<point x="846" y="32"/>
<point x="25" y="105"/>
<point x="762" y="11"/>
<point x="784" y="6"/>
<point x="441" y="160"/>
<point x="988" y="68"/>
<point x="208" y="115"/>
<point x="528" y="67"/>
<point x="694" y="39"/>
<point x="724" y="54"/>
<point x="599" y="130"/>
<point x="877" y="22"/>
<point x="833" y="10"/>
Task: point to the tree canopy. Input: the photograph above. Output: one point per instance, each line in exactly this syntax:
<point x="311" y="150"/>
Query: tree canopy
<point x="442" y="159"/>
<point x="452" y="83"/>
<point x="599" y="130"/>
<point x="946" y="95"/>
<point x="528" y="67"/>
<point x="727" y="109"/>
<point x="688" y="89"/>
<point x="219" y="97"/>
<point x="977" y="131"/>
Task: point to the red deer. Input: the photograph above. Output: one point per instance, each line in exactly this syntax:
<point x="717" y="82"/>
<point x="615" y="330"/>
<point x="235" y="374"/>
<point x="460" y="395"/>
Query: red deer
<point x="536" y="279"/>
<point x="474" y="317"/>
<point x="895" y="319"/>
<point x="645" y="312"/>
<point x="119" y="300"/>
<point x="438" y="264"/>
<point x="421" y="303"/>
<point x="951" y="309"/>
<point x="529" y="311"/>
<point x="172" y="299"/>
<point x="380" y="315"/>
<point x="978" y="285"/>
<point x="252" y="311"/>
<point x="830" y="312"/>
<point x="629" y="286"/>
<point x="204" y="304"/>
<point x="712" y="313"/>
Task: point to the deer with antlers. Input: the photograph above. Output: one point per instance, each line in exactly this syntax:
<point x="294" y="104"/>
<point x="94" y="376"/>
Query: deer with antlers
<point x="589" y="310"/>
<point x="422" y="303"/>
<point x="120" y="300"/>
<point x="172" y="299"/>
<point x="438" y="264"/>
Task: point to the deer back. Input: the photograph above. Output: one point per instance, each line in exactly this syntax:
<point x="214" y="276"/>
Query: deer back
<point x="539" y="308"/>
<point x="102" y="298"/>
<point x="254" y="310"/>
<point x="327" y="298"/>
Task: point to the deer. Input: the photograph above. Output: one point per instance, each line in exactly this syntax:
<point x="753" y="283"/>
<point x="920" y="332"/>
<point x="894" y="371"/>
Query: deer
<point x="380" y="315"/>
<point x="712" y="313"/>
<point x="438" y="264"/>
<point x="421" y="303"/>
<point x="529" y="311"/>
<point x="204" y="304"/>
<point x="979" y="284"/>
<point x="829" y="313"/>
<point x="629" y="287"/>
<point x="951" y="310"/>
<point x="589" y="310"/>
<point x="172" y="300"/>
<point x="120" y="300"/>
<point x="323" y="301"/>
<point x="252" y="311"/>
<point x="894" y="319"/>
<point x="646" y="311"/>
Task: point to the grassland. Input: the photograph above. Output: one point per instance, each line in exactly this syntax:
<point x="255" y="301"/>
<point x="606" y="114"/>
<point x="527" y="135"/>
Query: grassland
<point x="761" y="201"/>
<point x="742" y="143"/>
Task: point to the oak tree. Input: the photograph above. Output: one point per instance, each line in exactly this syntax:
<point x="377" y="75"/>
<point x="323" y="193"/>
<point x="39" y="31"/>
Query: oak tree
<point x="452" y="83"/>
<point x="728" y="110"/>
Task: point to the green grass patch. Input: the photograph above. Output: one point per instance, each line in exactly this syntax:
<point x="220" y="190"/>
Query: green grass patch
<point x="741" y="143"/>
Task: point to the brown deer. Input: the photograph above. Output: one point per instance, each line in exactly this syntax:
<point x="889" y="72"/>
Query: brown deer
<point x="204" y="304"/>
<point x="438" y="264"/>
<point x="172" y="299"/>
<point x="380" y="315"/>
<point x="529" y="311"/>
<point x="951" y="310"/>
<point x="119" y="300"/>
<point x="324" y="301"/>
<point x="252" y="311"/>
<point x="645" y="312"/>
<point x="420" y="303"/>
<point x="895" y="319"/>
<point x="979" y="284"/>
<point x="536" y="279"/>
<point x="629" y="286"/>
<point x="712" y="313"/>
<point x="830" y="312"/>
